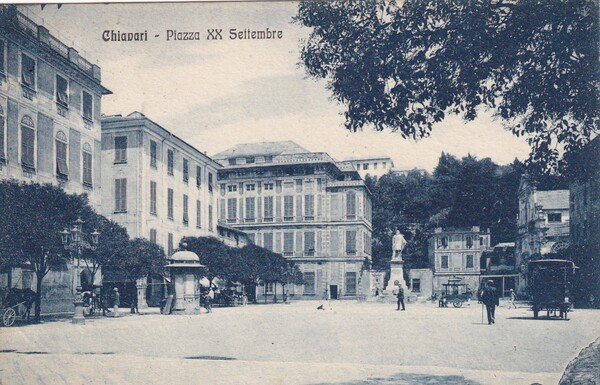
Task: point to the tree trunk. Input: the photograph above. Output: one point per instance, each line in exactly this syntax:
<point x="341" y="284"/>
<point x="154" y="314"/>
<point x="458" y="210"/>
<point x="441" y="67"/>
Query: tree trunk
<point x="38" y="297"/>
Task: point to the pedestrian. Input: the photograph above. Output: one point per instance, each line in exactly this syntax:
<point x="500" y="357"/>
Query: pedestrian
<point x="116" y="303"/>
<point x="400" y="296"/>
<point x="489" y="297"/>
<point x="513" y="299"/>
<point x="208" y="298"/>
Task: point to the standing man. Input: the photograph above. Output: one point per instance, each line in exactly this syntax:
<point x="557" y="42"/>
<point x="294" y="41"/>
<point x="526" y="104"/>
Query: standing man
<point x="400" y="296"/>
<point x="116" y="303"/>
<point x="489" y="297"/>
<point x="513" y="299"/>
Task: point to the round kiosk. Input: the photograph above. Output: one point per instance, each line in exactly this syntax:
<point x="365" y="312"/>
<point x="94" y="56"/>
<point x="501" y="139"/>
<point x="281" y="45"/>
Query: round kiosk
<point x="185" y="271"/>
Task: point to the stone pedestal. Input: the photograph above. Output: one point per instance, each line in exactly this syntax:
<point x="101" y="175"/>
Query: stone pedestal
<point x="78" y="317"/>
<point x="396" y="274"/>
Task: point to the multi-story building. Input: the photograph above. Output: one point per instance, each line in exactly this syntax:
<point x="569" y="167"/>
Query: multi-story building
<point x="455" y="252"/>
<point x="374" y="167"/>
<point x="157" y="186"/>
<point x="50" y="102"/>
<point x="308" y="207"/>
<point x="543" y="220"/>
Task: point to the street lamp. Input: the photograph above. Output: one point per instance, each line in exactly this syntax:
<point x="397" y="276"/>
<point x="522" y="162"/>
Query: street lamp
<point x="75" y="243"/>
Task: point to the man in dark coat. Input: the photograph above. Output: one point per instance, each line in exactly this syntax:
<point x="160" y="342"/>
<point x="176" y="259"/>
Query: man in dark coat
<point x="400" y="296"/>
<point x="489" y="297"/>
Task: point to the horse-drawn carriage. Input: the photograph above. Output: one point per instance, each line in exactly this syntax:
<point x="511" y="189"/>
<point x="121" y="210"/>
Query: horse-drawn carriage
<point x="455" y="292"/>
<point x="15" y="302"/>
<point x="550" y="285"/>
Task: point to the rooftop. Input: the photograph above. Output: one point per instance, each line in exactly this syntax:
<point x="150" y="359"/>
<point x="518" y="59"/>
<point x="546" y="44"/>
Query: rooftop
<point x="261" y="149"/>
<point x="553" y="199"/>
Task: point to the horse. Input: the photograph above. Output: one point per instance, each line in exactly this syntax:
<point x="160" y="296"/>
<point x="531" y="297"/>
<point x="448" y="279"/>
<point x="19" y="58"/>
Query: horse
<point x="16" y="296"/>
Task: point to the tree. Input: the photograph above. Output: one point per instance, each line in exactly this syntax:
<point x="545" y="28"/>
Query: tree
<point x="141" y="258"/>
<point x="31" y="219"/>
<point x="213" y="254"/>
<point x="405" y="65"/>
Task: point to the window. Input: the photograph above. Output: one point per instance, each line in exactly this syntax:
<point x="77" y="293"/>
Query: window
<point x="268" y="241"/>
<point x="250" y="187"/>
<point x="309" y="243"/>
<point x="210" y="218"/>
<point x="309" y="282"/>
<point x="28" y="71"/>
<point x="231" y="210"/>
<point x="470" y="262"/>
<point x="298" y="185"/>
<point x="250" y="209"/>
<point x="350" y="283"/>
<point x="444" y="264"/>
<point x="120" y="195"/>
<point x="62" y="91"/>
<point x="170" y="203"/>
<point x="351" y="241"/>
<point x="309" y="207"/>
<point x="170" y="244"/>
<point x="87" y="165"/>
<point x="198" y="176"/>
<point x="27" y="143"/>
<point x="375" y="166"/>
<point x="288" y="243"/>
<point x="416" y="285"/>
<point x="554" y="217"/>
<point x="350" y="205"/>
<point x="198" y="214"/>
<point x="210" y="181"/>
<point x="186" y="170"/>
<point x="365" y="166"/>
<point x="153" y="197"/>
<point x="268" y="208"/>
<point x="232" y="188"/>
<point x="269" y="286"/>
<point x="288" y="208"/>
<point x="62" y="171"/>
<point x="170" y="161"/>
<point x="268" y="186"/>
<point x="443" y="242"/>
<point x="2" y="124"/>
<point x="86" y="105"/>
<point x="120" y="149"/>
<point x="153" y="153"/>
<point x="153" y="236"/>
<point x="186" y="219"/>
<point x="384" y="164"/>
<point x="469" y="241"/>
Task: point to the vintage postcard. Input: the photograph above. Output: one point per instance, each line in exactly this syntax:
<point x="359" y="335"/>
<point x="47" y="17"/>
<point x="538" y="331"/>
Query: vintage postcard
<point x="300" y="192"/>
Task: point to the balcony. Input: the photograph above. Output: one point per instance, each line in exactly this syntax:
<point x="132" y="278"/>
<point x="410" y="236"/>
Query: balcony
<point x="62" y="109"/>
<point x="28" y="92"/>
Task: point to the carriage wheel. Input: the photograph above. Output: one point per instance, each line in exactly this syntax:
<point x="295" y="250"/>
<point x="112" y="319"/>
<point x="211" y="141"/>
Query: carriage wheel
<point x="457" y="303"/>
<point x="9" y="317"/>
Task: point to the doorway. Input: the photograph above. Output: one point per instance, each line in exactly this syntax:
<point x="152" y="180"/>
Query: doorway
<point x="333" y="290"/>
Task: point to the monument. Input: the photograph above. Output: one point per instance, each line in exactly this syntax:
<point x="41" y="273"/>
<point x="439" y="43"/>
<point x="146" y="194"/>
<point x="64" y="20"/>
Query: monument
<point x="397" y="264"/>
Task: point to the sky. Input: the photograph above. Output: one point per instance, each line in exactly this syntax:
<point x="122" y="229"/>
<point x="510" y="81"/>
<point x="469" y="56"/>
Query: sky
<point x="216" y="94"/>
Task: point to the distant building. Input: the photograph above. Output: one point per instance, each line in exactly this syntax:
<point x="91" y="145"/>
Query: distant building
<point x="374" y="167"/>
<point x="233" y="237"/>
<point x="406" y="171"/>
<point x="543" y="220"/>
<point x="305" y="205"/>
<point x="50" y="103"/>
<point x="457" y="252"/>
<point x="157" y="186"/>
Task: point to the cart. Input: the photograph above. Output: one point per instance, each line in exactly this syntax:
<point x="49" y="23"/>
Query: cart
<point x="550" y="282"/>
<point x="455" y="292"/>
<point x="11" y="303"/>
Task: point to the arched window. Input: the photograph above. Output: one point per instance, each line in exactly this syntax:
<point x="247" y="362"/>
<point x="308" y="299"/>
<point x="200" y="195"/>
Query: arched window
<point x="28" y="142"/>
<point x="87" y="164"/>
<point x="2" y="153"/>
<point x="62" y="170"/>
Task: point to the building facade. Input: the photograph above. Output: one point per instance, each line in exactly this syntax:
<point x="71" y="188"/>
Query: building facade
<point x="50" y="103"/>
<point x="308" y="207"/>
<point x="374" y="167"/>
<point x="157" y="186"/>
<point x="457" y="253"/>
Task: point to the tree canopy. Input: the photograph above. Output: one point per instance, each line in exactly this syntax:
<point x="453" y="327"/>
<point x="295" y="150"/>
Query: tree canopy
<point x="405" y="65"/>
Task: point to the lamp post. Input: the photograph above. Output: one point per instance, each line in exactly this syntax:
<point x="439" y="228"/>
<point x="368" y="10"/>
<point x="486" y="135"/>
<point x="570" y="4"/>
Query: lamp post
<point x="73" y="241"/>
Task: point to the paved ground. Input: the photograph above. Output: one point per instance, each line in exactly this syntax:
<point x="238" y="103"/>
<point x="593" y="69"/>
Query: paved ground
<point x="355" y="343"/>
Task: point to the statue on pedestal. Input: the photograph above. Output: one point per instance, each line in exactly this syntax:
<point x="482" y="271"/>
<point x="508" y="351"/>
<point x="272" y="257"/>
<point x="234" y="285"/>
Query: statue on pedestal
<point x="398" y="244"/>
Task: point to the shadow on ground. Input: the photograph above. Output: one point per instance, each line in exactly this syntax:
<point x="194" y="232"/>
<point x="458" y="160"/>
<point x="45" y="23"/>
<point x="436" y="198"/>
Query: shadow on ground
<point x="539" y="319"/>
<point x="409" y="379"/>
